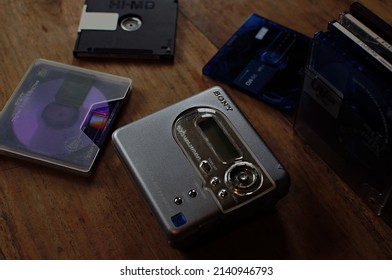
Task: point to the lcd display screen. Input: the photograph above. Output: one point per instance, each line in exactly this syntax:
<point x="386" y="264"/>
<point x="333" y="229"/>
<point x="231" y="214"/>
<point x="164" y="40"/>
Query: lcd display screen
<point x="219" y="140"/>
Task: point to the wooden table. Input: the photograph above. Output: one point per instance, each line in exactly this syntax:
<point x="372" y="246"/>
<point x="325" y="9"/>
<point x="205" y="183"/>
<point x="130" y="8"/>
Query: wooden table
<point x="50" y="214"/>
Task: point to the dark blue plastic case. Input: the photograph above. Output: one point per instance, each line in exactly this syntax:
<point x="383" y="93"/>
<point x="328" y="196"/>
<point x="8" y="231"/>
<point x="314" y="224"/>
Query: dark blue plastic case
<point x="263" y="59"/>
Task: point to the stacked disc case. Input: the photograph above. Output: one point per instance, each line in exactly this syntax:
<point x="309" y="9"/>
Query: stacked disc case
<point x="346" y="104"/>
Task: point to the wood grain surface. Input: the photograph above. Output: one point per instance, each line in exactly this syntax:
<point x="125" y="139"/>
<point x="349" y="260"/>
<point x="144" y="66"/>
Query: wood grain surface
<point x="50" y="214"/>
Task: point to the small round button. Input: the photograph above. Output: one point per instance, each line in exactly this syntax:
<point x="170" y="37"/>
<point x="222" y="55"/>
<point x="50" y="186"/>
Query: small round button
<point x="215" y="181"/>
<point x="178" y="200"/>
<point x="192" y="193"/>
<point x="222" y="194"/>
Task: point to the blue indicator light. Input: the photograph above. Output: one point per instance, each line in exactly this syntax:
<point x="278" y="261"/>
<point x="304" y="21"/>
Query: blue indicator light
<point x="178" y="219"/>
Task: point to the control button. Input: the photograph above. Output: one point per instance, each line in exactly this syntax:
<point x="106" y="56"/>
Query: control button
<point x="178" y="200"/>
<point x="205" y="166"/>
<point x="222" y="194"/>
<point x="215" y="181"/>
<point x="243" y="178"/>
<point x="192" y="193"/>
<point x="178" y="220"/>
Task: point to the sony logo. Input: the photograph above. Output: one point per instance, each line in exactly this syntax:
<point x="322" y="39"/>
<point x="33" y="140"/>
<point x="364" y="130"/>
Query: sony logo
<point x="223" y="101"/>
<point x="126" y="4"/>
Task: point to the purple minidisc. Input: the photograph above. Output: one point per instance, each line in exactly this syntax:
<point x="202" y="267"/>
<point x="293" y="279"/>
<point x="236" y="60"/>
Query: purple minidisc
<point x="59" y="115"/>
